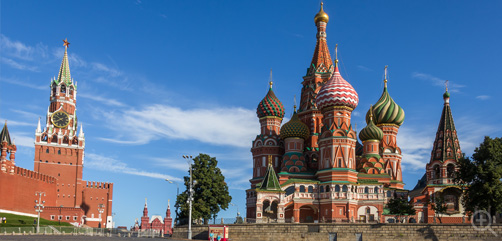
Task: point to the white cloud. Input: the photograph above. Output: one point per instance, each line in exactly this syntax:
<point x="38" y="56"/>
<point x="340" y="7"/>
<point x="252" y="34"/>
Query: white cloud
<point x="18" y="123"/>
<point x="21" y="51"/>
<point x="26" y="115"/>
<point x="436" y="81"/>
<point x="23" y="83"/>
<point x="416" y="146"/>
<point x="106" y="101"/>
<point x="103" y="163"/>
<point x="16" y="65"/>
<point x="364" y="68"/>
<point x="483" y="97"/>
<point x="220" y="126"/>
<point x="108" y="70"/>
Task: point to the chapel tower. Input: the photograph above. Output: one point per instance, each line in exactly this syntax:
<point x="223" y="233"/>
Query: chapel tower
<point x="320" y="70"/>
<point x="59" y="148"/>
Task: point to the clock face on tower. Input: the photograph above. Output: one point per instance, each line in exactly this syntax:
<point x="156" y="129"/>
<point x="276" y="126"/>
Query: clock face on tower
<point x="60" y="119"/>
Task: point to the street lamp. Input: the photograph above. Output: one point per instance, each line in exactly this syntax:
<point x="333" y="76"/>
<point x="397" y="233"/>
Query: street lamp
<point x="233" y="204"/>
<point x="177" y="194"/>
<point x="38" y="207"/>
<point x="101" y="210"/>
<point x="190" y="195"/>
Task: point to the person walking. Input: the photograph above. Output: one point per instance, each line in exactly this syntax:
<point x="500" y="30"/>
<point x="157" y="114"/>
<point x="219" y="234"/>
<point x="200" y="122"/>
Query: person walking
<point x="211" y="236"/>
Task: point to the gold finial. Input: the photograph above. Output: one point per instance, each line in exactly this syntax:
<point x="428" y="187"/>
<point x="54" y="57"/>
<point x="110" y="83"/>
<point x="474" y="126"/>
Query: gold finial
<point x="66" y="43"/>
<point x="294" y="100"/>
<point x="336" y="55"/>
<point x="321" y="16"/>
<point x="385" y="76"/>
<point x="446" y="85"/>
<point x="271" y="82"/>
<point x="371" y="113"/>
<point x="270" y="160"/>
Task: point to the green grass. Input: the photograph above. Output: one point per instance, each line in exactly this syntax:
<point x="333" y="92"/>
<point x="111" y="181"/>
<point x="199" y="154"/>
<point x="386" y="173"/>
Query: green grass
<point x="25" y="221"/>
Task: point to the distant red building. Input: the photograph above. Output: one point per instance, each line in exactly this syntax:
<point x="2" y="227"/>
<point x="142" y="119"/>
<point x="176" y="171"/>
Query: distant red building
<point x="156" y="222"/>
<point x="58" y="165"/>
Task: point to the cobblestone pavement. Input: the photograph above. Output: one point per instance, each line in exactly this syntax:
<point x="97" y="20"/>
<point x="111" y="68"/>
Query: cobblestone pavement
<point x="72" y="238"/>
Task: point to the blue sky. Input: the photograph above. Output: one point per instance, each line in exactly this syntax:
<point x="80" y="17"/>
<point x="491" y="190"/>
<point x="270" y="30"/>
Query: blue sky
<point x="161" y="79"/>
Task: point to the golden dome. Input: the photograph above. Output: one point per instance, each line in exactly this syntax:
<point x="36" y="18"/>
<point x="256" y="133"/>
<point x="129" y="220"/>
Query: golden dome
<point x="321" y="16"/>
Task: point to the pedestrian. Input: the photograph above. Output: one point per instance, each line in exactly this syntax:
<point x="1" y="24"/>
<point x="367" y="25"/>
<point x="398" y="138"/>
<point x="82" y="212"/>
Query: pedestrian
<point x="211" y="236"/>
<point x="218" y="238"/>
<point x="4" y="219"/>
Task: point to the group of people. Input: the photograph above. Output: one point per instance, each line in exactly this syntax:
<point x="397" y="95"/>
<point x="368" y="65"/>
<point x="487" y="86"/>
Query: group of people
<point x="3" y="219"/>
<point x="212" y="238"/>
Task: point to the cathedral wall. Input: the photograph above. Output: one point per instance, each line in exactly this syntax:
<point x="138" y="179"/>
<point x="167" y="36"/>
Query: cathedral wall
<point x="347" y="232"/>
<point x="17" y="190"/>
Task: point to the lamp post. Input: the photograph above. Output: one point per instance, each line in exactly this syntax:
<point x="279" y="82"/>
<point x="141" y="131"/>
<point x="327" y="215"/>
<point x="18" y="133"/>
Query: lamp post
<point x="101" y="210"/>
<point x="38" y="207"/>
<point x="177" y="194"/>
<point x="190" y="195"/>
<point x="233" y="204"/>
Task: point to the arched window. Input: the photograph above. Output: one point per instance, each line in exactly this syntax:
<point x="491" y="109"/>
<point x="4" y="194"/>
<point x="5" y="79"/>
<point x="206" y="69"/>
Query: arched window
<point x="366" y="190"/>
<point x="47" y="150"/>
<point x="344" y="188"/>
<point x="322" y="189"/>
<point x="290" y="190"/>
<point x="437" y="172"/>
<point x="59" y="152"/>
<point x="63" y="89"/>
<point x="337" y="188"/>
<point x="328" y="189"/>
<point x="376" y="189"/>
<point x="310" y="189"/>
<point x="339" y="162"/>
<point x="302" y="188"/>
<point x="389" y="194"/>
<point x="450" y="170"/>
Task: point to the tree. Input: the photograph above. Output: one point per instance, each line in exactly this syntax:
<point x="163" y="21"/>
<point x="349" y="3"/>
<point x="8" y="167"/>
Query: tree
<point x="439" y="206"/>
<point x="482" y="176"/>
<point x="210" y="191"/>
<point x="400" y="206"/>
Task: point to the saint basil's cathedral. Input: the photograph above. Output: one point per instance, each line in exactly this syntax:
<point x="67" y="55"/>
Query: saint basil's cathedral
<point x="314" y="169"/>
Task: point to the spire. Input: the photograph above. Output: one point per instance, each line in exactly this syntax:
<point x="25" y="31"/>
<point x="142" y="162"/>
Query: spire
<point x="39" y="129"/>
<point x="321" y="61"/>
<point x="81" y="135"/>
<point x="336" y="59"/>
<point x="446" y="145"/>
<point x="271" y="82"/>
<point x="270" y="181"/>
<point x="145" y="210"/>
<point x="64" y="71"/>
<point x="4" y="135"/>
<point x="385" y="76"/>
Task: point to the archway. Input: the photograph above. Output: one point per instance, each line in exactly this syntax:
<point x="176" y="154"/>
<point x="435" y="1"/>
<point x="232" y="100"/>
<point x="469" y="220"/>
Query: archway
<point x="308" y="214"/>
<point x="288" y="213"/>
<point x="270" y="209"/>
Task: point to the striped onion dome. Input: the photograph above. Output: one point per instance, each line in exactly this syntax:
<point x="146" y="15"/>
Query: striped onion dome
<point x="270" y="106"/>
<point x="386" y="111"/>
<point x="295" y="128"/>
<point x="371" y="132"/>
<point x="337" y="92"/>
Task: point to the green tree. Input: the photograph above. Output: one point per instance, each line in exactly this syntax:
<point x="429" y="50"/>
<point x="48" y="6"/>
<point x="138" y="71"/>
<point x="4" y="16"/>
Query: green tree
<point x="439" y="206"/>
<point x="482" y="176"/>
<point x="210" y="191"/>
<point x="400" y="206"/>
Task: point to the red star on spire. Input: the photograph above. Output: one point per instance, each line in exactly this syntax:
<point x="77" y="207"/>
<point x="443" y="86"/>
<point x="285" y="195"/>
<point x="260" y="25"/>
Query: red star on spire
<point x="66" y="43"/>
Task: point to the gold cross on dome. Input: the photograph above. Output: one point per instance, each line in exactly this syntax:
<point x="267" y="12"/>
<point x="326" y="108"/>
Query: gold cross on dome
<point x="446" y="85"/>
<point x="66" y="43"/>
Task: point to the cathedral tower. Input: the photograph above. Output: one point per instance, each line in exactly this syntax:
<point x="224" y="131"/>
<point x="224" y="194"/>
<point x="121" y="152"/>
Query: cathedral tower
<point x="318" y="73"/>
<point x="336" y="100"/>
<point x="389" y="116"/>
<point x="59" y="150"/>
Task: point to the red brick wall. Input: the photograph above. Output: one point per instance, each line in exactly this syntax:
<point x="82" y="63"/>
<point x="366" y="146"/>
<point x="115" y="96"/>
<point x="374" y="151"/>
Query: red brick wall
<point x="94" y="194"/>
<point x="17" y="191"/>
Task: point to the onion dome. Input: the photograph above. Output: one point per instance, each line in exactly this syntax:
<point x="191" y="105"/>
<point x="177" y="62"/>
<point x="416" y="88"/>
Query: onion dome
<point x="386" y="111"/>
<point x="371" y="131"/>
<point x="270" y="105"/>
<point x="321" y="16"/>
<point x="337" y="92"/>
<point x="295" y="128"/>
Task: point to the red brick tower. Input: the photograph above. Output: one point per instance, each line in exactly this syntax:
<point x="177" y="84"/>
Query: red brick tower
<point x="318" y="73"/>
<point x="337" y="99"/>
<point x="8" y="151"/>
<point x="145" y="219"/>
<point x="168" y="221"/>
<point x="389" y="116"/>
<point x="59" y="151"/>
<point x="267" y="143"/>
